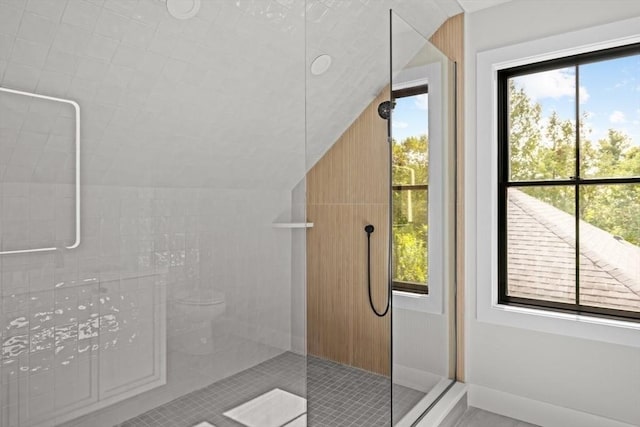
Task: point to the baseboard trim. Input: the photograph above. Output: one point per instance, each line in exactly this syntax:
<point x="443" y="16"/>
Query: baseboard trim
<point x="534" y="411"/>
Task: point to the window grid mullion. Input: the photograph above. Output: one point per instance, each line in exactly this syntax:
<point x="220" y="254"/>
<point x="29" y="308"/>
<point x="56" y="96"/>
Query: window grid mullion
<point x="503" y="181"/>
<point x="409" y="187"/>
<point x="581" y="181"/>
<point x="576" y="190"/>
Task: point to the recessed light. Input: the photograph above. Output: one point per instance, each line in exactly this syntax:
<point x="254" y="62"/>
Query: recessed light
<point x="183" y="9"/>
<point x="320" y="65"/>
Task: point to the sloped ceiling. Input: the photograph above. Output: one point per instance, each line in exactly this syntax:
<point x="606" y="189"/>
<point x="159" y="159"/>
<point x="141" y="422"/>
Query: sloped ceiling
<point x="475" y="5"/>
<point x="219" y="100"/>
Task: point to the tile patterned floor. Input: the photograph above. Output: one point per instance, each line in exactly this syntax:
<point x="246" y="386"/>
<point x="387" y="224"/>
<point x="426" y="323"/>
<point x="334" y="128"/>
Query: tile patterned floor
<point x="337" y="395"/>
<point x="340" y="395"/>
<point x="286" y="371"/>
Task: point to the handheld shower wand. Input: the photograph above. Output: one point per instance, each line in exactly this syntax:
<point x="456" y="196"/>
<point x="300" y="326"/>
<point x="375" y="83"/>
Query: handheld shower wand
<point x="369" y="229"/>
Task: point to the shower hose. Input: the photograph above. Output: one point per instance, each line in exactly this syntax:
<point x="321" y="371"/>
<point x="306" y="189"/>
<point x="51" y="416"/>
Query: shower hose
<point x="369" y="229"/>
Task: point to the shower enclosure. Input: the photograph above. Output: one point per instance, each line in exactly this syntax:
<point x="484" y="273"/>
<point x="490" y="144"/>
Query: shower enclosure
<point x="182" y="203"/>
<point x="396" y="174"/>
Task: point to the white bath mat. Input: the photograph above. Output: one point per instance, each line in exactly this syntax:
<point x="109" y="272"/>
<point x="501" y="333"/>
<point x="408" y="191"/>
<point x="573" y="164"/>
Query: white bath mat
<point x="272" y="409"/>
<point x="301" y="421"/>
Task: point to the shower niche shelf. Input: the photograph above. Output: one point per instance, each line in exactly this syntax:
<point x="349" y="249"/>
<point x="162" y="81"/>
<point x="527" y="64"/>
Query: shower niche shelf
<point x="292" y="225"/>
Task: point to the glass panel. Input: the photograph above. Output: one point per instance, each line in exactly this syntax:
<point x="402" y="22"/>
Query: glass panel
<point x="609" y="117"/>
<point x="542" y="125"/>
<point x="541" y="255"/>
<point x="610" y="246"/>
<point x="349" y="346"/>
<point x="181" y="287"/>
<point x="422" y="155"/>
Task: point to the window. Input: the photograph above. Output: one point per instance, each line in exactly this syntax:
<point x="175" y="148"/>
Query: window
<point x="410" y="171"/>
<point x="569" y="184"/>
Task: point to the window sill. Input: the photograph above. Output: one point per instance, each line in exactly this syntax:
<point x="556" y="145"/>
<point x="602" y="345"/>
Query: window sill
<point x="416" y="302"/>
<point x="410" y="287"/>
<point x="574" y="325"/>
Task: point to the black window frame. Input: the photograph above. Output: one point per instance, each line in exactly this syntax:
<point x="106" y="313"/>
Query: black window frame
<point x="504" y="183"/>
<point x="396" y="285"/>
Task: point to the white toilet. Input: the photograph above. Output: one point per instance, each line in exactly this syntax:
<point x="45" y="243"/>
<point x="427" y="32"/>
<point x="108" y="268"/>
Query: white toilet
<point x="195" y="313"/>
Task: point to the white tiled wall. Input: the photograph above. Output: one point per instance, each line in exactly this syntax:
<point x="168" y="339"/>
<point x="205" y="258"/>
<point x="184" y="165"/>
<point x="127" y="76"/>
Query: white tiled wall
<point x="161" y="103"/>
<point x="64" y="312"/>
<point x="192" y="138"/>
<point x="181" y="178"/>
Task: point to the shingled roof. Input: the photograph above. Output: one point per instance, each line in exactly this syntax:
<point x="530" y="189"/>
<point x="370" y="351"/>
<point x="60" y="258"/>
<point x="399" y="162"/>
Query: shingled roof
<point x="541" y="258"/>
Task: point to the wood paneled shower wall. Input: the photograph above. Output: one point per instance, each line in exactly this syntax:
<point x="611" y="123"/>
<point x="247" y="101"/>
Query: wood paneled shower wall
<point x="347" y="189"/>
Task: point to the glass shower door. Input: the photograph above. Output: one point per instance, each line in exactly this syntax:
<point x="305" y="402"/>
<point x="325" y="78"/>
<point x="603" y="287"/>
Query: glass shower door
<point x="347" y="185"/>
<point x="423" y="220"/>
<point x="365" y="161"/>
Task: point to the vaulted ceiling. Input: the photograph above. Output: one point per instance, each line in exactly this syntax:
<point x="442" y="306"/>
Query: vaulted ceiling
<point x="224" y="99"/>
<point x="475" y="5"/>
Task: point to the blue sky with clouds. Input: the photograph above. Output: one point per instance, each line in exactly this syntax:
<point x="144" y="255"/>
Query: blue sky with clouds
<point x="410" y="117"/>
<point x="609" y="95"/>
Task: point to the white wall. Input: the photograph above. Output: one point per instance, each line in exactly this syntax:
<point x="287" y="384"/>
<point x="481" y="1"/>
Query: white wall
<point x="586" y="375"/>
<point x="420" y="348"/>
